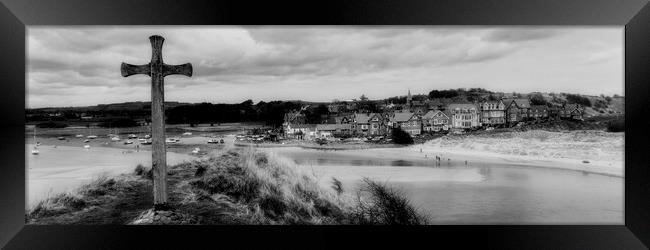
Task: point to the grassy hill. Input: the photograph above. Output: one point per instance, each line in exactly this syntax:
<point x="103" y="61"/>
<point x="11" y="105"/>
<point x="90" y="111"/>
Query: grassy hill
<point x="241" y="186"/>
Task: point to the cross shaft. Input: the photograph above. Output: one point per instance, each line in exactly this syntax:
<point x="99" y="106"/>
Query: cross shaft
<point x="157" y="70"/>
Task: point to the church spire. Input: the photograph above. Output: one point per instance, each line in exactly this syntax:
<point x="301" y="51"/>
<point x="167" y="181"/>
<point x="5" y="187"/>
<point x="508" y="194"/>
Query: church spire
<point x="408" y="99"/>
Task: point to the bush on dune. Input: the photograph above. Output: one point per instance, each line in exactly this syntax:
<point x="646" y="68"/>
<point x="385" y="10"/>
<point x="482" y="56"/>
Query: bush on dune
<point x="271" y="189"/>
<point x="386" y="206"/>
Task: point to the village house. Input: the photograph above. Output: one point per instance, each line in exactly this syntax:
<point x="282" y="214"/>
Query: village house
<point x="464" y="116"/>
<point x="554" y="112"/>
<point x="408" y="122"/>
<point x="300" y="131"/>
<point x="538" y="112"/>
<point x="493" y="113"/>
<point x="377" y="124"/>
<point x="339" y="119"/>
<point x="369" y="124"/>
<point x="434" y="121"/>
<point x="362" y="124"/>
<point x="332" y="130"/>
<point x="572" y="111"/>
<point x="516" y="109"/>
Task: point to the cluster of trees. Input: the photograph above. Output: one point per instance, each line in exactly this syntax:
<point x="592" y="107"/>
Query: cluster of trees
<point x="472" y="94"/>
<point x="271" y="113"/>
<point x="584" y="101"/>
<point x="538" y="99"/>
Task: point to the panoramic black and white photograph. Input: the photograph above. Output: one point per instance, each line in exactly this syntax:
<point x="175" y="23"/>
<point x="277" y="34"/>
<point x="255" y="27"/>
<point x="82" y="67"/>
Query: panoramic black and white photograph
<point x="324" y="125"/>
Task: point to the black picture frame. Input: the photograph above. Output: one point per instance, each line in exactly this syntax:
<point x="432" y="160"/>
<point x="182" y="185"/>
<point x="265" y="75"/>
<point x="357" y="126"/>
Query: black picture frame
<point x="633" y="14"/>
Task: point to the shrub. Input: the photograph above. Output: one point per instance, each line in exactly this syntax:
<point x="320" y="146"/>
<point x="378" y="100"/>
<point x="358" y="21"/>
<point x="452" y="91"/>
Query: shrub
<point x="387" y="206"/>
<point x="400" y="136"/>
<point x="617" y="125"/>
<point x="538" y="99"/>
<point x="200" y="171"/>
<point x="337" y="186"/>
<point x="584" y="101"/>
<point x="139" y="170"/>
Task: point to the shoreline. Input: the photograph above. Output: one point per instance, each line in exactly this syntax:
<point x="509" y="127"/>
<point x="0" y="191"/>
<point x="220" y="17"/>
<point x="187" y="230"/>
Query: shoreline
<point x="474" y="158"/>
<point x="374" y="151"/>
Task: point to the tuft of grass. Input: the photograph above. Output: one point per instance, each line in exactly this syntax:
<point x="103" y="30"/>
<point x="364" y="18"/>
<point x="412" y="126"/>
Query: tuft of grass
<point x="139" y="170"/>
<point x="200" y="171"/>
<point x="386" y="206"/>
<point x="102" y="201"/>
<point x="337" y="186"/>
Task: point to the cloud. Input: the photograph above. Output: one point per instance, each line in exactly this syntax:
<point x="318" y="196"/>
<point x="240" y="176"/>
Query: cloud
<point x="84" y="61"/>
<point x="520" y="35"/>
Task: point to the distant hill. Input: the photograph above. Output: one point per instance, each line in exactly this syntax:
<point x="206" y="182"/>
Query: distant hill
<point x="125" y="106"/>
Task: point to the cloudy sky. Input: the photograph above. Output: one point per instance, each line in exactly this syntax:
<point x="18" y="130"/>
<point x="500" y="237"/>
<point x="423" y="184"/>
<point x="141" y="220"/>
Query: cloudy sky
<point x="80" y="65"/>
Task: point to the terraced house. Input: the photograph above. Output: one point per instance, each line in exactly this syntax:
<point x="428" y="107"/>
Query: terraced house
<point x="538" y="111"/>
<point x="464" y="116"/>
<point x="434" y="121"/>
<point x="493" y="113"/>
<point x="572" y="111"/>
<point x="408" y="122"/>
<point x="516" y="109"/>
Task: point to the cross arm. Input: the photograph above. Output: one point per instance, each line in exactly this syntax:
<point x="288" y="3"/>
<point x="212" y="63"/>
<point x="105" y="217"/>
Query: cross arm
<point x="183" y="69"/>
<point x="129" y="69"/>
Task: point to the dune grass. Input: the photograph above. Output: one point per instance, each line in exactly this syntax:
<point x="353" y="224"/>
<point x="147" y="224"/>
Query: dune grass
<point x="240" y="186"/>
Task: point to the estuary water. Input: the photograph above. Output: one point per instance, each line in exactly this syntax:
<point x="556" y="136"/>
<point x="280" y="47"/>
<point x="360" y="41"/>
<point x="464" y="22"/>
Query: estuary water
<point x="478" y="193"/>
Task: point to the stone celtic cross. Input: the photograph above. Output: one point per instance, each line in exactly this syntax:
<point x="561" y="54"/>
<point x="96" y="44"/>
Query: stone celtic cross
<point x="157" y="70"/>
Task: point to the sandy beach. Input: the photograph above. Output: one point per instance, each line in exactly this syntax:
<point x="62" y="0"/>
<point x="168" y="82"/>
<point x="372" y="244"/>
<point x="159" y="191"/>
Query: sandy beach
<point x="593" y="152"/>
